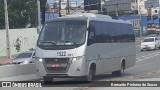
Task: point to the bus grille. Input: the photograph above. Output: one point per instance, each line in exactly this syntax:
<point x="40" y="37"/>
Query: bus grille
<point x="51" y="64"/>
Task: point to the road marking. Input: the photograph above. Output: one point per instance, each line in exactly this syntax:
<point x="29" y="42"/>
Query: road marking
<point x="145" y="57"/>
<point x="144" y="54"/>
<point x="139" y="60"/>
<point x="139" y="76"/>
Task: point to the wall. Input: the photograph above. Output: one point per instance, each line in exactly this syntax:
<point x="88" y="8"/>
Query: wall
<point x="27" y="39"/>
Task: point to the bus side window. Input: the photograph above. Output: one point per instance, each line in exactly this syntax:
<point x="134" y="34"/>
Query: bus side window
<point x="91" y="37"/>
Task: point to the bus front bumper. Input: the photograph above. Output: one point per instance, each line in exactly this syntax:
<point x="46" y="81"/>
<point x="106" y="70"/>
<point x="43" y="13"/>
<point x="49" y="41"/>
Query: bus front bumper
<point x="75" y="69"/>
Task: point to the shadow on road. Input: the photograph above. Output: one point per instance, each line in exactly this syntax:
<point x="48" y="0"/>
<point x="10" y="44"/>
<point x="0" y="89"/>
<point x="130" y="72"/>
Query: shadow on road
<point x="98" y="81"/>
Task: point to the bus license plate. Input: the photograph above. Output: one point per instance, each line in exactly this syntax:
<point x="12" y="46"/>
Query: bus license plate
<point x="56" y="65"/>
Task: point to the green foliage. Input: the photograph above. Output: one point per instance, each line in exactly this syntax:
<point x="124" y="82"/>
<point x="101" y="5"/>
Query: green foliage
<point x="20" y="12"/>
<point x="2" y="14"/>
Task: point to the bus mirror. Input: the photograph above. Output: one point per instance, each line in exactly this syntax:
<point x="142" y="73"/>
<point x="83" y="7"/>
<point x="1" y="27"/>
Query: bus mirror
<point x="33" y="56"/>
<point x="90" y="41"/>
<point x="38" y="29"/>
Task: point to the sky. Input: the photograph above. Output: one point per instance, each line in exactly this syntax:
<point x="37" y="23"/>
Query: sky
<point x="51" y="1"/>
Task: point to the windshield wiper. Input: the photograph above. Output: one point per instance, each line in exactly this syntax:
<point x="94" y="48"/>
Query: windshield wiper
<point x="52" y="42"/>
<point x="70" y="42"/>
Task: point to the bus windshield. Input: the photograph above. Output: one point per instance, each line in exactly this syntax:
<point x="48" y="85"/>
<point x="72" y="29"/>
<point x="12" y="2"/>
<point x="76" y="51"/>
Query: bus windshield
<point x="63" y="33"/>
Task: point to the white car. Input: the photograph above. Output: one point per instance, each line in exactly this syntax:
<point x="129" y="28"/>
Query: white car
<point x="150" y="43"/>
<point x="24" y="58"/>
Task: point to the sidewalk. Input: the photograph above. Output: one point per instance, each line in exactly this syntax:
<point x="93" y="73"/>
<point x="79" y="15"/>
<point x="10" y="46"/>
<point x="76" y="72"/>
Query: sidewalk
<point x="4" y="60"/>
<point x="20" y="78"/>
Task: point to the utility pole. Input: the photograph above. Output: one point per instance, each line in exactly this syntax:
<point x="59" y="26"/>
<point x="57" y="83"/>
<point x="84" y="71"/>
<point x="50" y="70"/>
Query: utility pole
<point x="59" y="8"/>
<point x="141" y="29"/>
<point x="39" y="13"/>
<point x="7" y="29"/>
<point x="117" y="11"/>
<point x="151" y="11"/>
<point x="159" y="10"/>
<point x="102" y="6"/>
<point x="68" y="12"/>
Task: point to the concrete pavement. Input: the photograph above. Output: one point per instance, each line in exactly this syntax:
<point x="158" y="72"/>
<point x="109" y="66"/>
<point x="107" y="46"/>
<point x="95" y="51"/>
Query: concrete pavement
<point x="20" y="78"/>
<point x="4" y="61"/>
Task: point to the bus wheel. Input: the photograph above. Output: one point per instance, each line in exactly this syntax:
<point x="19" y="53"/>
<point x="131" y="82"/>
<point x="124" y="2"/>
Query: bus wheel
<point x="48" y="79"/>
<point x="91" y="74"/>
<point x="119" y="72"/>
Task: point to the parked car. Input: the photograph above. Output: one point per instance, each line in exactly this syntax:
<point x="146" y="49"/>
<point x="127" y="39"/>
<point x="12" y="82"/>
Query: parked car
<point x="24" y="58"/>
<point x="150" y="43"/>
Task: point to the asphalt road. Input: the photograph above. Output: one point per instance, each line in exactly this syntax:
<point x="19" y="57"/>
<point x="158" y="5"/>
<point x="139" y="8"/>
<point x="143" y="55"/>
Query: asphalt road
<point x="147" y="66"/>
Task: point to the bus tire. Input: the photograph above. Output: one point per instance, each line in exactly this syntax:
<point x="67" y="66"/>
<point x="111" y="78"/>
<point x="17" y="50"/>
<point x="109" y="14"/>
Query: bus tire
<point x="121" y="71"/>
<point x="91" y="74"/>
<point x="48" y="79"/>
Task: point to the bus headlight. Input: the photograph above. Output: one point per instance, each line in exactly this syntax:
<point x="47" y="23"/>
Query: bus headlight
<point x="77" y="58"/>
<point x="39" y="59"/>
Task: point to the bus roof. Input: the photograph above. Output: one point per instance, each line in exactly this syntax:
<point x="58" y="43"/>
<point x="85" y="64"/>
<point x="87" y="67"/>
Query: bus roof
<point x="88" y="15"/>
<point x="91" y="16"/>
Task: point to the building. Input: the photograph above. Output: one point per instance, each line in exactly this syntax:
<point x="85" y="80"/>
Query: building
<point x="120" y="7"/>
<point x="51" y="7"/>
<point x="82" y="4"/>
<point x="141" y="7"/>
<point x="148" y="7"/>
<point x="72" y="3"/>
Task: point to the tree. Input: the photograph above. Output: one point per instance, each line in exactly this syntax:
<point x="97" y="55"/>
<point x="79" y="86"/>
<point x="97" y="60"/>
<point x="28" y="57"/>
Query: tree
<point x="20" y="12"/>
<point x="2" y="20"/>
